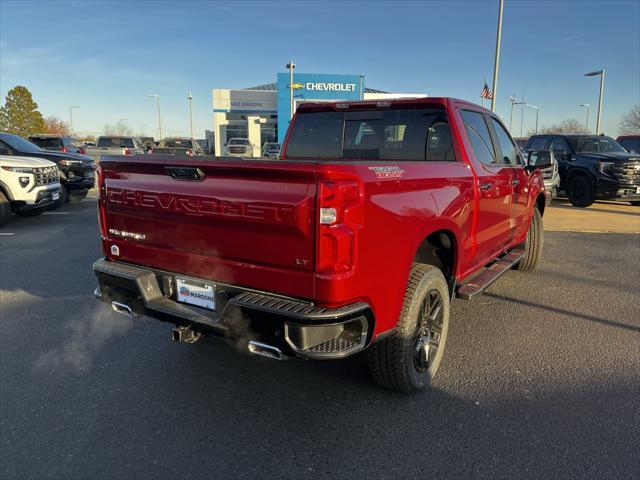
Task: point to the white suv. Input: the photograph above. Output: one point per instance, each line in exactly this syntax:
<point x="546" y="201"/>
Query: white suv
<point x="27" y="186"/>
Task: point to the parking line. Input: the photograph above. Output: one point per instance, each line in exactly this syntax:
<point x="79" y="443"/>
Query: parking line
<point x="6" y="234"/>
<point x="56" y="213"/>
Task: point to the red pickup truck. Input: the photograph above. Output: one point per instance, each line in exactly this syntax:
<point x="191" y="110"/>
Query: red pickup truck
<point x="375" y="216"/>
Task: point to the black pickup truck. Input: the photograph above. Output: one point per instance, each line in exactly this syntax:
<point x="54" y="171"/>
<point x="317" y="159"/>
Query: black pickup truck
<point x="592" y="167"/>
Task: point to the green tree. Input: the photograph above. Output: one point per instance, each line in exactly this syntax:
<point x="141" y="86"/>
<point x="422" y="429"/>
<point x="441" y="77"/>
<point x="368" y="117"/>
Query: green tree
<point x="19" y="114"/>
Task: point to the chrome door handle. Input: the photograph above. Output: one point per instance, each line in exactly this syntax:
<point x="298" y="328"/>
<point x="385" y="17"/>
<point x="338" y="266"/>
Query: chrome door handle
<point x="486" y="186"/>
<point x="515" y="181"/>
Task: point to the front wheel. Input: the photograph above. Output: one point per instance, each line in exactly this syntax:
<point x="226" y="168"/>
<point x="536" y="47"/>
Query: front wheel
<point x="580" y="192"/>
<point x="5" y="209"/>
<point x="407" y="360"/>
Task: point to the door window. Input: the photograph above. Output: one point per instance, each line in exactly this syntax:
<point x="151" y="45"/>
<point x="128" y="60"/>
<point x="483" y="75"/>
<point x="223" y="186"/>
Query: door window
<point x="537" y="143"/>
<point x="510" y="152"/>
<point x="560" y="147"/>
<point x="479" y="136"/>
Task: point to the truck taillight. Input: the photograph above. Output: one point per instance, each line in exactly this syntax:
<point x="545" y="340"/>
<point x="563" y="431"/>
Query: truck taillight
<point x="338" y="219"/>
<point x="127" y="151"/>
<point x="190" y="152"/>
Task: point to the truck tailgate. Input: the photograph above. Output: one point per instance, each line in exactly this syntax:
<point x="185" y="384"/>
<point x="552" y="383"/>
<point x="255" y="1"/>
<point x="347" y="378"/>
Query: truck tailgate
<point x="250" y="223"/>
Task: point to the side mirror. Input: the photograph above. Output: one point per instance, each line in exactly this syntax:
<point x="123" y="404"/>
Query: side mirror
<point x="539" y="159"/>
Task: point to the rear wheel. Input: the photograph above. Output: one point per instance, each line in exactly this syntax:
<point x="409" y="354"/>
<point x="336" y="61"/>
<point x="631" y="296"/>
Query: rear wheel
<point x="408" y="360"/>
<point x="533" y="244"/>
<point x="580" y="192"/>
<point x="5" y="209"/>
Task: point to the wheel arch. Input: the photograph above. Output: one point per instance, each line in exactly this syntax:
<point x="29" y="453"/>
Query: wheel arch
<point x="440" y="249"/>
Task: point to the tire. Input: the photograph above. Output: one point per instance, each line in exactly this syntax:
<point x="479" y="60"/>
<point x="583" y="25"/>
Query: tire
<point x="580" y="192"/>
<point x="5" y="209"/>
<point x="62" y="199"/>
<point x="77" y="197"/>
<point x="635" y="203"/>
<point x="407" y="361"/>
<point x="533" y="244"/>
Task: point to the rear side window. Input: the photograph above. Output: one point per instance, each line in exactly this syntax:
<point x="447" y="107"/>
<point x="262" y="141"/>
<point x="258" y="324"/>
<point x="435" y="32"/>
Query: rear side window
<point x="510" y="152"/>
<point x="537" y="143"/>
<point x="479" y="136"/>
<point x="398" y="134"/>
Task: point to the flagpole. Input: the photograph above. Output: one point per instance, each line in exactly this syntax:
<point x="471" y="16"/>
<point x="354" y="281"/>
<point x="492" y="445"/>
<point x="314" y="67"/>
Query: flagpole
<point x="496" y="64"/>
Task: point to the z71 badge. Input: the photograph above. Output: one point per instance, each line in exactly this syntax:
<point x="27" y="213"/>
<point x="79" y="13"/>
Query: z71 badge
<point x="387" y="172"/>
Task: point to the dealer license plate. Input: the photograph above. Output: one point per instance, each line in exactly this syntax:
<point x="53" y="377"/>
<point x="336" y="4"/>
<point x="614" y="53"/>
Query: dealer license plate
<point x="55" y="195"/>
<point x="200" y="295"/>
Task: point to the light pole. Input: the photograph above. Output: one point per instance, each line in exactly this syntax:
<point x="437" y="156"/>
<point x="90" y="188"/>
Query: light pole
<point x="71" y="107"/>
<point x="595" y="74"/>
<point x="496" y="63"/>
<point x="586" y="128"/>
<point x="190" y="98"/>
<point x="523" y="103"/>
<point x="512" y="99"/>
<point x="537" y="112"/>
<point x="361" y="87"/>
<point x="291" y="66"/>
<point x="157" y="97"/>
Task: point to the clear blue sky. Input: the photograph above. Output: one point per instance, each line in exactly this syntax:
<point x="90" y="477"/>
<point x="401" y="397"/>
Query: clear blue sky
<point x="108" y="56"/>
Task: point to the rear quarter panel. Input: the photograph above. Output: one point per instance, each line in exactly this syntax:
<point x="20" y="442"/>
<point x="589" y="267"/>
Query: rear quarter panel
<point x="396" y="215"/>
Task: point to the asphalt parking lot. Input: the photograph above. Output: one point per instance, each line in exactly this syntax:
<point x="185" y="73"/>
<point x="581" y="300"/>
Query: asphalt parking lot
<point x="541" y="378"/>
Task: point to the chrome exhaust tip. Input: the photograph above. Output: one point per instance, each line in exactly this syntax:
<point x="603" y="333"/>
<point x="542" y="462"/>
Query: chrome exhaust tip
<point x="123" y="309"/>
<point x="264" y="350"/>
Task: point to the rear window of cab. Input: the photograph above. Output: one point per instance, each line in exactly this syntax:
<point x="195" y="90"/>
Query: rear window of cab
<point x="395" y="134"/>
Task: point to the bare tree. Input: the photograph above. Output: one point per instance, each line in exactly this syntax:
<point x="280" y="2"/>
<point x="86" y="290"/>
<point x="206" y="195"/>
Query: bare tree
<point x="119" y="128"/>
<point x="630" y="123"/>
<point x="54" y="125"/>
<point x="568" y="126"/>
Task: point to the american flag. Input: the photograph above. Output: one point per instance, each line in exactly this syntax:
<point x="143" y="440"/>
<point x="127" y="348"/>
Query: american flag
<point x="486" y="92"/>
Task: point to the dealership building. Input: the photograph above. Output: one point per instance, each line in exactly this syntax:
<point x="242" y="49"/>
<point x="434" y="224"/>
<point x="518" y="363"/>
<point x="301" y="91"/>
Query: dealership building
<point x="262" y="113"/>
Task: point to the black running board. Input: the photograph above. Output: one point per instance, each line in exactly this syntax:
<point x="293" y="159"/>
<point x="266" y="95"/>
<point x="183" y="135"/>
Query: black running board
<point x="480" y="281"/>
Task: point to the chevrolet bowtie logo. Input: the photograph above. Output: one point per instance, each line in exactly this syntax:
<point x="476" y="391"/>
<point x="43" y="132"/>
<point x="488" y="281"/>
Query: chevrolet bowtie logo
<point x="296" y="86"/>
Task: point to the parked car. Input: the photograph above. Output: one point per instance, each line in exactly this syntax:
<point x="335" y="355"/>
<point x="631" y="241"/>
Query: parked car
<point x="59" y="143"/>
<point x="28" y="186"/>
<point x="551" y="177"/>
<point x="631" y="143"/>
<point x="271" y="150"/>
<point x="77" y="172"/>
<point x="179" y="146"/>
<point x="239" y="147"/>
<point x="592" y="167"/>
<point x="116" y="145"/>
<point x="357" y="238"/>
